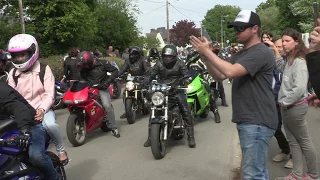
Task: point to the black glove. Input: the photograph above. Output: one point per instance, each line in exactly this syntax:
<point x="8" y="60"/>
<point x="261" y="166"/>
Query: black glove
<point x="21" y="141"/>
<point x="186" y="82"/>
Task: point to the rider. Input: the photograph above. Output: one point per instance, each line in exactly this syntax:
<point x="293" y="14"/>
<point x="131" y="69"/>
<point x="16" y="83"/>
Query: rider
<point x="70" y="69"/>
<point x="136" y="66"/>
<point x="25" y="78"/>
<point x="216" y="50"/>
<point x="172" y="68"/>
<point x="94" y="71"/>
<point x="196" y="63"/>
<point x="12" y="103"/>
<point x="154" y="56"/>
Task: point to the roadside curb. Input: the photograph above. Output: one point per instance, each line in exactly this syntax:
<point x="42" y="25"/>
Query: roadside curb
<point x="233" y="160"/>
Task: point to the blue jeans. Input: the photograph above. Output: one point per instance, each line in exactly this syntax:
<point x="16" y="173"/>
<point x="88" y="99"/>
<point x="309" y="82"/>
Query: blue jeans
<point x="37" y="153"/>
<point x="254" y="142"/>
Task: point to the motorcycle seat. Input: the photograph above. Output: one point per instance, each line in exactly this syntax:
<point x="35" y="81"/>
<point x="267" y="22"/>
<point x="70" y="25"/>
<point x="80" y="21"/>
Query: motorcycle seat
<point x="7" y="125"/>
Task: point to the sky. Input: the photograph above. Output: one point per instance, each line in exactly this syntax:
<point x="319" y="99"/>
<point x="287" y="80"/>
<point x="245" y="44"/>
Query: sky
<point x="153" y="12"/>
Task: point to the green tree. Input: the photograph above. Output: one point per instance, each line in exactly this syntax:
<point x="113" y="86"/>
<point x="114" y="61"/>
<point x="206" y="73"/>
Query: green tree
<point x="266" y="5"/>
<point x="151" y="41"/>
<point x="304" y="9"/>
<point x="269" y="20"/>
<point x="9" y="27"/>
<point x="181" y="31"/>
<point x="57" y="25"/>
<point x="116" y="23"/>
<point x="213" y="18"/>
<point x="287" y="18"/>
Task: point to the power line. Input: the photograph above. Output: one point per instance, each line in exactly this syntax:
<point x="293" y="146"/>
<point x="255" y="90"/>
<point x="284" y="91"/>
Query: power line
<point x="190" y="10"/>
<point x="179" y="11"/>
<point x="153" y="1"/>
<point x="154" y="9"/>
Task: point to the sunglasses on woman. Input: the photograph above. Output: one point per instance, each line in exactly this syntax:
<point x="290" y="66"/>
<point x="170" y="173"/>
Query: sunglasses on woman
<point x="241" y="28"/>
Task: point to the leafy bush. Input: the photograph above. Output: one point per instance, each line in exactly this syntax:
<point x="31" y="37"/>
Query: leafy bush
<point x="56" y="64"/>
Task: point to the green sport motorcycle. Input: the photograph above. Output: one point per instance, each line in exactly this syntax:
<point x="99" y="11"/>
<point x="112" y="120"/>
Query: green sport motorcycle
<point x="200" y="97"/>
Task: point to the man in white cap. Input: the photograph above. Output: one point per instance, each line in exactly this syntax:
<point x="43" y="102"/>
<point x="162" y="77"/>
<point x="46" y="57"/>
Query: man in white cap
<point x="254" y="107"/>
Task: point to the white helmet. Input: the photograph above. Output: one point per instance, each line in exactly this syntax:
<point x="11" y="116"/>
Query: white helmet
<point x="23" y="43"/>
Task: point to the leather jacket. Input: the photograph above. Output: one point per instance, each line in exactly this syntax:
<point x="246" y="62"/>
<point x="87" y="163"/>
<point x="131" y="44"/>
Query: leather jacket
<point x="70" y="69"/>
<point x="98" y="73"/>
<point x="165" y="75"/>
<point x="138" y="68"/>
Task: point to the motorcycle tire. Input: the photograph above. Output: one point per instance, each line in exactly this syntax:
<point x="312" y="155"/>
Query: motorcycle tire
<point x="72" y="127"/>
<point x="130" y="111"/>
<point x="116" y="90"/>
<point x="158" y="144"/>
<point x="57" y="165"/>
<point x="205" y="112"/>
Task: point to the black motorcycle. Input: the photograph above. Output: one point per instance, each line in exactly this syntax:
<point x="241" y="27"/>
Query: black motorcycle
<point x="135" y="98"/>
<point x="166" y="120"/>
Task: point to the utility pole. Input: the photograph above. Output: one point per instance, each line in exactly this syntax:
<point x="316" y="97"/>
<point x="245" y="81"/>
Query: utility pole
<point x="23" y="30"/>
<point x="221" y="32"/>
<point x="168" y="38"/>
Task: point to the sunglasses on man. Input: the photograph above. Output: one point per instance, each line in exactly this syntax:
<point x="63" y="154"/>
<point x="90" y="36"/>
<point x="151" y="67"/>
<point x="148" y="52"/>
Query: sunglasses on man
<point x="242" y="28"/>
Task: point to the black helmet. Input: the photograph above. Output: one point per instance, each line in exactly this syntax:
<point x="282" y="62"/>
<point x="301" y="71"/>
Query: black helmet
<point x="169" y="56"/>
<point x="85" y="60"/>
<point x="154" y="52"/>
<point x="135" y="53"/>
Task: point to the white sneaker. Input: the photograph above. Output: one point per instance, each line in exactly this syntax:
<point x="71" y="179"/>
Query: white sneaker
<point x="289" y="164"/>
<point x="280" y="157"/>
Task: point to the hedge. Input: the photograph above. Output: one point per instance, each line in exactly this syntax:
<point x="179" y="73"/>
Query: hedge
<point x="56" y="64"/>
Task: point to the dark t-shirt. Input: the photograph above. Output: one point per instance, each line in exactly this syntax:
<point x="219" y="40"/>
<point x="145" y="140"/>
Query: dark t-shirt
<point x="252" y="95"/>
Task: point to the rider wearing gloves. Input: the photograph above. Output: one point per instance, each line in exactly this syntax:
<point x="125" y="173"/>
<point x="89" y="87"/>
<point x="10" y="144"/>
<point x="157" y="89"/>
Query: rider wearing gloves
<point x="136" y="65"/>
<point x="12" y="103"/>
<point x="171" y="69"/>
<point x="94" y="71"/>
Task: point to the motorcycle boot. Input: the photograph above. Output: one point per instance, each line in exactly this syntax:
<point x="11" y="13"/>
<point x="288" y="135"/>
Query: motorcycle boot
<point x="186" y="115"/>
<point x="214" y="109"/>
<point x="222" y="94"/>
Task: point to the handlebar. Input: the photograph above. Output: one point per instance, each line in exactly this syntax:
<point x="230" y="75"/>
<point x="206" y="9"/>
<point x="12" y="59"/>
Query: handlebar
<point x="21" y="141"/>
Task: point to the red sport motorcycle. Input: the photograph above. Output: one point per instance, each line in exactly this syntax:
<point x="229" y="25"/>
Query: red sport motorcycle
<point x="86" y="112"/>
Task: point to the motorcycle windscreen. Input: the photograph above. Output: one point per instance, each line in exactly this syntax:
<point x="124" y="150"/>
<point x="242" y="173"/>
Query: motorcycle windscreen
<point x="194" y="71"/>
<point x="79" y="92"/>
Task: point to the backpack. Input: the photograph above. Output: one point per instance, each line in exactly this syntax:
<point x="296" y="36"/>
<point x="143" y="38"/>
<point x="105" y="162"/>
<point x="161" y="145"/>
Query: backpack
<point x="41" y="74"/>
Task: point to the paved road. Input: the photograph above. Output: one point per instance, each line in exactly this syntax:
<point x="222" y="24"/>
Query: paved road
<point x="106" y="157"/>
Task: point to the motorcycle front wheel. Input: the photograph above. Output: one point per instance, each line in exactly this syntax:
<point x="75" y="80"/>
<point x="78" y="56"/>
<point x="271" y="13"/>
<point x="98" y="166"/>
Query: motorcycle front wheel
<point x="76" y="130"/>
<point x="158" y="144"/>
<point x="116" y="90"/>
<point x="130" y="106"/>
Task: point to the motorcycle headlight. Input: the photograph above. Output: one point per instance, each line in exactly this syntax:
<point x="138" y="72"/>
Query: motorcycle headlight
<point x="157" y="98"/>
<point x="130" y="86"/>
<point x="190" y="88"/>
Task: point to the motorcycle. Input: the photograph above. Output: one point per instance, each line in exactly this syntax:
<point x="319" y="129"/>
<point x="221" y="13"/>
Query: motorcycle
<point x="134" y="98"/>
<point x="114" y="88"/>
<point x="166" y="120"/>
<point x="60" y="90"/>
<point x="14" y="159"/>
<point x="199" y="96"/>
<point x="86" y="112"/>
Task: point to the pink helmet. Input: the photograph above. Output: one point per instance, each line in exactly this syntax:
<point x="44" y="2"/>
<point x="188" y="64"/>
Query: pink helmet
<point x="23" y="43"/>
